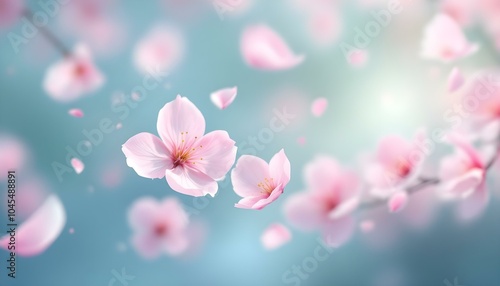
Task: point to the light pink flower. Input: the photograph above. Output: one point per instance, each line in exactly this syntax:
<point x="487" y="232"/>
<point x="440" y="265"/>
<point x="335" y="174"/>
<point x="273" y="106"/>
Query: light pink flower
<point x="13" y="154"/>
<point x="396" y="164"/>
<point x="159" y="227"/>
<point x="260" y="183"/>
<point x="262" y="48"/>
<point x="77" y="165"/>
<point x="191" y="161"/>
<point x="73" y="76"/>
<point x="463" y="176"/>
<point x="224" y="97"/>
<point x="40" y="230"/>
<point x="455" y="80"/>
<point x="275" y="236"/>
<point x="318" y="107"/>
<point x="10" y="11"/>
<point x="161" y="49"/>
<point x="331" y="196"/>
<point x="445" y="41"/>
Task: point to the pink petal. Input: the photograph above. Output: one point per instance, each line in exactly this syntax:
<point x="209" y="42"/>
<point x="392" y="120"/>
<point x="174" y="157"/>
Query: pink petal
<point x="358" y="58"/>
<point x="10" y="12"/>
<point x="455" y="80"/>
<point x="76" y="112"/>
<point x="302" y="211"/>
<point x="176" y="244"/>
<point x="279" y="168"/>
<point x="190" y="181"/>
<point x="147" y="246"/>
<point x="142" y="214"/>
<point x="275" y="236"/>
<point x="322" y="174"/>
<point x="337" y="232"/>
<point x="463" y="186"/>
<point x="397" y="201"/>
<point x="318" y="107"/>
<point x="216" y="156"/>
<point x="473" y="206"/>
<point x="39" y="231"/>
<point x="247" y="174"/>
<point x="180" y="122"/>
<point x="262" y="48"/>
<point x="249" y="202"/>
<point x="346" y="207"/>
<point x="13" y="154"/>
<point x="147" y="155"/>
<point x="325" y="25"/>
<point x="445" y="41"/>
<point x="275" y="194"/>
<point x="224" y="97"/>
<point x="77" y="165"/>
<point x="161" y="50"/>
<point x="301" y="141"/>
<point x="367" y="226"/>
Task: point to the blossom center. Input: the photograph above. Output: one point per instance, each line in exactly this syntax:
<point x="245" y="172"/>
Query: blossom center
<point x="266" y="186"/>
<point x="183" y="153"/>
<point x="160" y="230"/>
<point x="80" y="70"/>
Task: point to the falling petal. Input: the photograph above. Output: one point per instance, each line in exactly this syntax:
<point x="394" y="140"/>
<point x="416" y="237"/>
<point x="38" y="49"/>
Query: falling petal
<point x="358" y="58"/>
<point x="455" y="80"/>
<point x="367" y="226"/>
<point x="318" y="107"/>
<point x="262" y="48"/>
<point x="77" y="165"/>
<point x="275" y="236"/>
<point x="75" y="112"/>
<point x="39" y="231"/>
<point x="301" y="141"/>
<point x="224" y="97"/>
<point x="398" y="201"/>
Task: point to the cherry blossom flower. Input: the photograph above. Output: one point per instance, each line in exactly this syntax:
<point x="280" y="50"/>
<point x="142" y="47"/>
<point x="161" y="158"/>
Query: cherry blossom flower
<point x="40" y="230"/>
<point x="444" y="40"/>
<point x="260" y="183"/>
<point x="262" y="48"/>
<point x="331" y="196"/>
<point x="463" y="176"/>
<point x="191" y="161"/>
<point x="73" y="76"/>
<point x="162" y="49"/>
<point x="396" y="164"/>
<point x="275" y="236"/>
<point x="159" y="227"/>
<point x="10" y="12"/>
<point x="224" y="97"/>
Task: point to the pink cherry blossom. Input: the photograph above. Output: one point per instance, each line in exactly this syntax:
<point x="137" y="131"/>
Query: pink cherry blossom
<point x="10" y="11"/>
<point x="463" y="176"/>
<point x="161" y="49"/>
<point x="396" y="165"/>
<point x="260" y="183"/>
<point x="262" y="48"/>
<point x="76" y="112"/>
<point x="40" y="230"/>
<point x="77" y="165"/>
<point x="445" y="41"/>
<point x="397" y="201"/>
<point x="191" y="161"/>
<point x="331" y="196"/>
<point x="73" y="76"/>
<point x="275" y="236"/>
<point x="319" y="105"/>
<point x="159" y="227"/>
<point x="13" y="154"/>
<point x="224" y="97"/>
<point x="455" y="80"/>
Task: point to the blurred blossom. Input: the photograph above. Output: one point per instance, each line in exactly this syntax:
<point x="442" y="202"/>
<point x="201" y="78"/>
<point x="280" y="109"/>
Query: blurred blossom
<point x="224" y="97"/>
<point x="463" y="176"/>
<point x="10" y="12"/>
<point x="13" y="154"/>
<point x="262" y="48"/>
<point x="462" y="11"/>
<point x="396" y="164"/>
<point x="332" y="196"/>
<point x="275" y="236"/>
<point x="260" y="183"/>
<point x="77" y="165"/>
<point x="398" y="201"/>
<point x="73" y="76"/>
<point x="318" y="107"/>
<point x="161" y="49"/>
<point x="40" y="230"/>
<point x="455" y="80"/>
<point x="76" y="112"/>
<point x="444" y="40"/>
<point x="159" y="227"/>
<point x="191" y="161"/>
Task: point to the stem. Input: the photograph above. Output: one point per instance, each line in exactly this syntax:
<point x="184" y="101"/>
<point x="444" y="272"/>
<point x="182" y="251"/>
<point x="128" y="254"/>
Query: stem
<point x="48" y="35"/>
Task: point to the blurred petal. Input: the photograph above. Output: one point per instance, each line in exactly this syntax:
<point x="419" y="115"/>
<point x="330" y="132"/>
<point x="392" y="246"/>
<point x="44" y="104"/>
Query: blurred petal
<point x="224" y="97"/>
<point x="76" y="112"/>
<point x="455" y="80"/>
<point x="275" y="236"/>
<point x="77" y="165"/>
<point x="397" y="201"/>
<point x="318" y="107"/>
